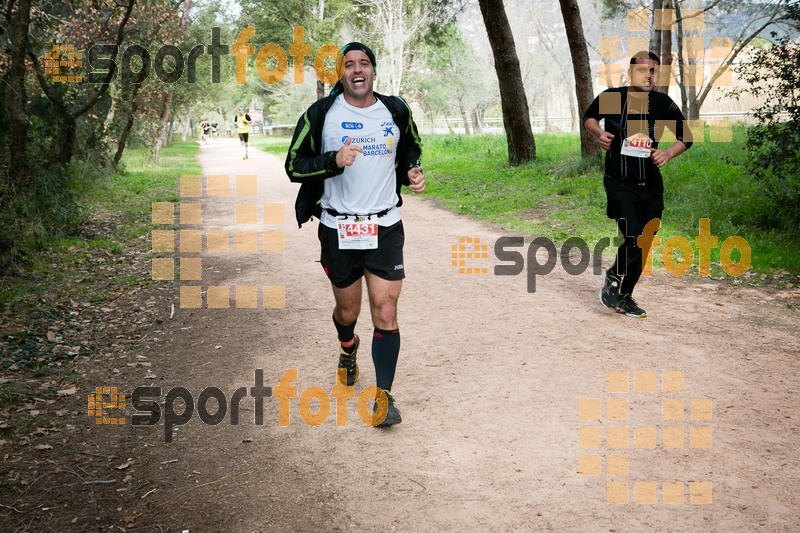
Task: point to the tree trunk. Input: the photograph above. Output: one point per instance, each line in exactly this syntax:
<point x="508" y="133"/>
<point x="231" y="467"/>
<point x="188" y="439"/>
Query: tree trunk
<point x="123" y="138"/>
<point x="519" y="136"/>
<point x="163" y="124"/>
<point x="320" y="83"/>
<point x="666" y="50"/>
<point x="464" y="117"/>
<point x="581" y="69"/>
<point x="546" y="113"/>
<point x="694" y="109"/>
<point x="686" y="66"/>
<point x="661" y="40"/>
<point x="109" y="121"/>
<point x="655" y="33"/>
<point x="20" y="24"/>
<point x="166" y="110"/>
<point x="573" y="113"/>
<point x="69" y="133"/>
<point x="476" y="122"/>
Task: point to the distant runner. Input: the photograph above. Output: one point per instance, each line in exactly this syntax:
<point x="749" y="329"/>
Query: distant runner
<point x="242" y="121"/>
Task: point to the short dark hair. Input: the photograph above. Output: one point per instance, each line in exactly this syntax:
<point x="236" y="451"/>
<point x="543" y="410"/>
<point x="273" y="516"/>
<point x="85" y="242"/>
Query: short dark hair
<point x="645" y="55"/>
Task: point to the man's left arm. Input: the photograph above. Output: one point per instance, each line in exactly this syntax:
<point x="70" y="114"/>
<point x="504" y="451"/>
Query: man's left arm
<point x="677" y="123"/>
<point x="409" y="160"/>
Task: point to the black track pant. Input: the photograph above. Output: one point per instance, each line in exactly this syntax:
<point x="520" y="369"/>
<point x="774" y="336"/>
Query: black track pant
<point x="632" y="207"/>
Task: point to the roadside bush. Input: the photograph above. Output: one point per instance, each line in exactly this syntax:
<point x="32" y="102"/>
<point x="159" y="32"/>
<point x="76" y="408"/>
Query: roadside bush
<point x="774" y="73"/>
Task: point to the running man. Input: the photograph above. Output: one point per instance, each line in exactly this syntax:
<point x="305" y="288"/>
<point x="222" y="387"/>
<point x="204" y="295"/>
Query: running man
<point x="352" y="151"/>
<point x="206" y="130"/>
<point x="635" y="119"/>
<point x="242" y="121"/>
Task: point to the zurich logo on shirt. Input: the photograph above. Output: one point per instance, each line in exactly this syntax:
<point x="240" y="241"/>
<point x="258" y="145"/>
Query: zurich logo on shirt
<point x="344" y="138"/>
<point x="352" y="125"/>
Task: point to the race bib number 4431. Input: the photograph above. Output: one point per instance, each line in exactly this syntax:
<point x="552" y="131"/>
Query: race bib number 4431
<point x="358" y="235"/>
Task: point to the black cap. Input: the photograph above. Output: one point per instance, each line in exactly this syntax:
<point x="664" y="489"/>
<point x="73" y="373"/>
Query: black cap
<point x="349" y="47"/>
<point x="364" y="48"/>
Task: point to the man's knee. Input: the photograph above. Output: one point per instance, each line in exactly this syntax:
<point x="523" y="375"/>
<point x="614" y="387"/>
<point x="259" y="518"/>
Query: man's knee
<point x="385" y="314"/>
<point x="347" y="315"/>
<point x="348" y="306"/>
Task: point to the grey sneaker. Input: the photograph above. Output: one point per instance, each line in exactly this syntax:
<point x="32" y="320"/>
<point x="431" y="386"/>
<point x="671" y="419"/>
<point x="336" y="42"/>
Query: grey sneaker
<point x="392" y="414"/>
<point x="609" y="291"/>
<point x="348" y="362"/>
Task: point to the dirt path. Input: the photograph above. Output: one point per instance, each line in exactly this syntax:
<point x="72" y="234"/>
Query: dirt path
<point x="489" y="384"/>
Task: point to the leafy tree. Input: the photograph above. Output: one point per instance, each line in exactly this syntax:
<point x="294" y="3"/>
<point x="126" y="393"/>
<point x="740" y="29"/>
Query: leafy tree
<point x="448" y="77"/>
<point x="82" y="27"/>
<point x="774" y="74"/>
<point x="739" y="20"/>
<point x="275" y="22"/>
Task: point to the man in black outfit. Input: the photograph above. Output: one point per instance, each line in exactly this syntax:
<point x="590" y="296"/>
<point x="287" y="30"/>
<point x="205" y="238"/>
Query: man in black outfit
<point x="635" y="119"/>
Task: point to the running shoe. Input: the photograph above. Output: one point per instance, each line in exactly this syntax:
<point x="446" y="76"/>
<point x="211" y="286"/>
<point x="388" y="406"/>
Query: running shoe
<point x="628" y="307"/>
<point x="348" y="362"/>
<point x="392" y="414"/>
<point x="609" y="292"/>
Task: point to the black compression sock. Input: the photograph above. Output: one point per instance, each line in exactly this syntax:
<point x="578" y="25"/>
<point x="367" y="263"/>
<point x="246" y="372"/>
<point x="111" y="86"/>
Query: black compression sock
<point x="346" y="333"/>
<point x="385" y="350"/>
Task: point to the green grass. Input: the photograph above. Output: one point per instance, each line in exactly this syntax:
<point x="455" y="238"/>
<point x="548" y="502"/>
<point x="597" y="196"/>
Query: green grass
<point x="121" y="206"/>
<point x="559" y="196"/>
<point x="273" y="145"/>
<point x="129" y="194"/>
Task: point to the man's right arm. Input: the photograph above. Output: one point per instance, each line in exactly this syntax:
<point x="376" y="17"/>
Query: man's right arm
<point x="592" y="125"/>
<point x="591" y="121"/>
<point x="303" y="164"/>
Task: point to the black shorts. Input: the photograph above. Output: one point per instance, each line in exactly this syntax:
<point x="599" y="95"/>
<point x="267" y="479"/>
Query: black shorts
<point x="344" y="267"/>
<point x="649" y="201"/>
<point x="244" y="137"/>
